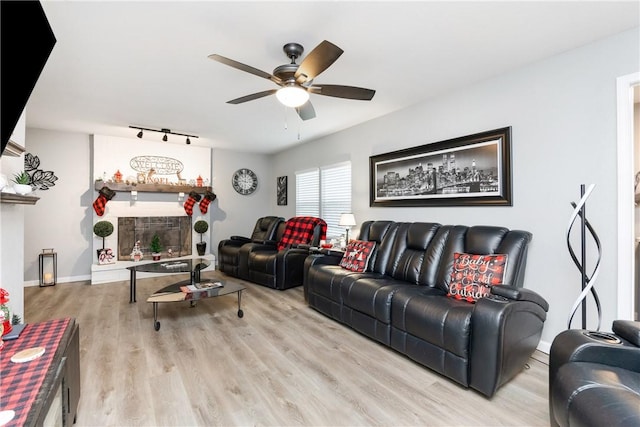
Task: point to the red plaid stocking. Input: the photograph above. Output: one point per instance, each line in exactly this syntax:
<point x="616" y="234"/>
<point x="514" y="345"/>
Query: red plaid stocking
<point x="105" y="194"/>
<point x="209" y="197"/>
<point x="188" y="205"/>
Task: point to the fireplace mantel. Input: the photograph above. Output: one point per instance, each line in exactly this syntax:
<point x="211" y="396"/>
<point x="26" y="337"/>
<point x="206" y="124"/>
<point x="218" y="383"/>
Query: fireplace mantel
<point x="150" y="188"/>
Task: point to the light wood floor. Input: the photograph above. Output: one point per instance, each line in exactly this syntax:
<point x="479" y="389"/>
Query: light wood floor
<point x="282" y="364"/>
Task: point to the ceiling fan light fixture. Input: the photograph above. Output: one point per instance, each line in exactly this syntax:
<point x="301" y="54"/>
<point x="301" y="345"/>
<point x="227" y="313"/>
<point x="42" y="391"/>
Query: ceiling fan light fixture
<point x="292" y="96"/>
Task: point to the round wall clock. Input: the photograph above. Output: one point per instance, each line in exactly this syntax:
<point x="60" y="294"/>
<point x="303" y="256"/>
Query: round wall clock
<point x="244" y="181"/>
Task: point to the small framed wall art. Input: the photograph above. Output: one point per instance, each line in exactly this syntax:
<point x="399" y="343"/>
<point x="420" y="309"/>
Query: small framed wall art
<point x="281" y="191"/>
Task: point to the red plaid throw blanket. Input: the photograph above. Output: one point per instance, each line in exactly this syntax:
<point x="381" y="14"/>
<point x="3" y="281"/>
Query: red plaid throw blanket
<point x="299" y="229"/>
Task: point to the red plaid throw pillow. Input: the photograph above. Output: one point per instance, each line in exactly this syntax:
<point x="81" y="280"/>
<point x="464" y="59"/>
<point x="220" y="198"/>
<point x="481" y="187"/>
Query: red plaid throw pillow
<point x="356" y="255"/>
<point x="473" y="275"/>
<point x="299" y="230"/>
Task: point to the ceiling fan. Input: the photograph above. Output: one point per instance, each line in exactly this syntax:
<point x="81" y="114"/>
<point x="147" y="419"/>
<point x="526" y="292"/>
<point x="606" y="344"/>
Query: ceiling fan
<point x="296" y="80"/>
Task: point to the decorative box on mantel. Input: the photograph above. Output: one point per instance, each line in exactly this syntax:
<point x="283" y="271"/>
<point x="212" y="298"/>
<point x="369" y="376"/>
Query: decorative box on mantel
<point x="150" y="188"/>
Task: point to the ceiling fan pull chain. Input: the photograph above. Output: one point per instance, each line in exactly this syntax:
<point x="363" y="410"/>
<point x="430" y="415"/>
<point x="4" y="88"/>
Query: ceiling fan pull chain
<point x="284" y="113"/>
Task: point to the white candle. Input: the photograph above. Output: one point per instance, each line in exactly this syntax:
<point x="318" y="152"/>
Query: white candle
<point x="48" y="278"/>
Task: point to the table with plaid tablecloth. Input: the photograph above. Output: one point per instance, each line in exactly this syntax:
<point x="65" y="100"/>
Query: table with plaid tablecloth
<point x="25" y="386"/>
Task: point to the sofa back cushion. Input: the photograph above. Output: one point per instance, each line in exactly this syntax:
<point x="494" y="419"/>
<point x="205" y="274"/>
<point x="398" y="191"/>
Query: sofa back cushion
<point x="265" y="228"/>
<point x="307" y="230"/>
<point x="409" y="250"/>
<point x="382" y="233"/>
<point x="485" y="240"/>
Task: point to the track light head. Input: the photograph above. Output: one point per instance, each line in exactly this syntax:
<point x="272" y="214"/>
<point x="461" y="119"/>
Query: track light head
<point x="188" y="141"/>
<point x="140" y="134"/>
<point x="164" y="138"/>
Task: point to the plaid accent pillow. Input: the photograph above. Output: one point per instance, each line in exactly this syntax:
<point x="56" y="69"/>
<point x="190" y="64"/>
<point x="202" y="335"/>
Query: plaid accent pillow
<point x="473" y="275"/>
<point x="357" y="254"/>
<point x="299" y="229"/>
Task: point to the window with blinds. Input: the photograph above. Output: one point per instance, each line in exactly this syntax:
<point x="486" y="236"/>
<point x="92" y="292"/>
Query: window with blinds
<point x="326" y="193"/>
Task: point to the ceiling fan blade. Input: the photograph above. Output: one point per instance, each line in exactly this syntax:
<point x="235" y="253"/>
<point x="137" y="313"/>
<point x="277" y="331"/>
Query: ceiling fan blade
<point x="246" y="68"/>
<point x="252" y="96"/>
<point x="348" y="92"/>
<point x="318" y="60"/>
<point x="306" y="111"/>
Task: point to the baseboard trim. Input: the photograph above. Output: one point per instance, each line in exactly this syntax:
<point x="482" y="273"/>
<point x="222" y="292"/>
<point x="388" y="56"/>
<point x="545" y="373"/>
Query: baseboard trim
<point x="67" y="279"/>
<point x="544" y="346"/>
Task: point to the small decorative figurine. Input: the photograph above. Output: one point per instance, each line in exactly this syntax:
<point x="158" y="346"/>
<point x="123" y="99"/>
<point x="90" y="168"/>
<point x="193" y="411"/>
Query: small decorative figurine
<point x="136" y="253"/>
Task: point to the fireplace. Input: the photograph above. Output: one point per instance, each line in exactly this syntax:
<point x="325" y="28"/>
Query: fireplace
<point x="174" y="233"/>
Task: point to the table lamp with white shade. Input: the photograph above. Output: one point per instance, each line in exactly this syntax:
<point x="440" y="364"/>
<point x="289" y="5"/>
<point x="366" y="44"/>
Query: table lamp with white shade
<point x="347" y="220"/>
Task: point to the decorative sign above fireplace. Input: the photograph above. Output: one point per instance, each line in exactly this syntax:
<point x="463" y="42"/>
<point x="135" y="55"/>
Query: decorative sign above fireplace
<point x="160" y="164"/>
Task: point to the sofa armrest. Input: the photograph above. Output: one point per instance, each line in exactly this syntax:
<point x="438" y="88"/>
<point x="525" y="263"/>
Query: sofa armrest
<point x="505" y="332"/>
<point x="627" y="329"/>
<point x="240" y="239"/>
<point x="578" y="345"/>
<point x="519" y="294"/>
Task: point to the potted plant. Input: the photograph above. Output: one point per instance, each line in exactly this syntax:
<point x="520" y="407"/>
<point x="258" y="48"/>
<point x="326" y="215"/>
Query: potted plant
<point x="22" y="181"/>
<point x="102" y="229"/>
<point x="201" y="226"/>
<point x="155" y="247"/>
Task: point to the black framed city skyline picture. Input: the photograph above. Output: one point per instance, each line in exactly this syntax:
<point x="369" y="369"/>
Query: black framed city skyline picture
<point x="473" y="170"/>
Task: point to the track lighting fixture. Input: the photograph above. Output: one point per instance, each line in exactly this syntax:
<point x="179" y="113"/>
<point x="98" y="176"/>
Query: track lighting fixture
<point x="166" y="132"/>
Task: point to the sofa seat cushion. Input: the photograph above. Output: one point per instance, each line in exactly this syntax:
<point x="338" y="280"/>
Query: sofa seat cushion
<point x="263" y="262"/>
<point x="371" y="296"/>
<point x="325" y="280"/>
<point x="432" y="317"/>
<point x="582" y="390"/>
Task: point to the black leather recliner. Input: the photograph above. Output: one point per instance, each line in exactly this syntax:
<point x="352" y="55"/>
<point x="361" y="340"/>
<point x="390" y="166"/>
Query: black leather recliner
<point x="594" y="378"/>
<point x="282" y="268"/>
<point x="229" y="249"/>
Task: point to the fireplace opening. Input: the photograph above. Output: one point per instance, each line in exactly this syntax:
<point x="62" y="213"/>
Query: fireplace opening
<point x="174" y="233"/>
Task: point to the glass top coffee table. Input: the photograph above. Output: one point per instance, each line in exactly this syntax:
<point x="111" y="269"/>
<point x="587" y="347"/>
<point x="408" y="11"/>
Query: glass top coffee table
<point x="187" y="265"/>
<point x="177" y="293"/>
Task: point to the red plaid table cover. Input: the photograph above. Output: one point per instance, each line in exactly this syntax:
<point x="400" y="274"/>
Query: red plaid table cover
<point x="299" y="229"/>
<point x="21" y="382"/>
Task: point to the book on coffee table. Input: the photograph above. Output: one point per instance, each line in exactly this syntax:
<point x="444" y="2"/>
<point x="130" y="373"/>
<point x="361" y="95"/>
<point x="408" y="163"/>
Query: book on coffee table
<point x="203" y="286"/>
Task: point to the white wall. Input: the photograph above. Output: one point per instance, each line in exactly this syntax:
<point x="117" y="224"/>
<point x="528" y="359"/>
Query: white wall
<point x="62" y="218"/>
<point x="236" y="214"/>
<point x="563" y="114"/>
<point x="12" y="241"/>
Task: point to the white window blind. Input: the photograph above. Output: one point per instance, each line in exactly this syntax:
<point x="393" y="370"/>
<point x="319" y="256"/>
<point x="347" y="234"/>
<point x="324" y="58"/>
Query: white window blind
<point x="308" y="193"/>
<point x="325" y="193"/>
<point x="335" y="190"/>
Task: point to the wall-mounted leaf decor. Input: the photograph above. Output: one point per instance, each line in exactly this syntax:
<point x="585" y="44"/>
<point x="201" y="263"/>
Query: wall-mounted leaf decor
<point x="40" y="179"/>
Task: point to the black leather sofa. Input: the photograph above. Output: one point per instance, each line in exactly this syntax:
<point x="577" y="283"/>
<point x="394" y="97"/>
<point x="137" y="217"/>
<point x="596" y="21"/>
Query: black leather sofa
<point x="229" y="249"/>
<point x="258" y="258"/>
<point x="401" y="300"/>
<point x="594" y="378"/>
<point x="265" y="264"/>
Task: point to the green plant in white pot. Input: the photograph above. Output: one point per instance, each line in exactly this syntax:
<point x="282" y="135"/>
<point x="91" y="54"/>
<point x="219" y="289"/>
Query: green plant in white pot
<point x="201" y="227"/>
<point x="155" y="247"/>
<point x="22" y="182"/>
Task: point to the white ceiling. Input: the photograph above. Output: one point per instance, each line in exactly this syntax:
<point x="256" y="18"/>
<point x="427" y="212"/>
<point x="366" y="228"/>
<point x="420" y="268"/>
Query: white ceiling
<point x="121" y="63"/>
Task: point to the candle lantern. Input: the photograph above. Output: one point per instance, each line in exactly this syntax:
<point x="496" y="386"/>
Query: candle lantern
<point x="48" y="267"/>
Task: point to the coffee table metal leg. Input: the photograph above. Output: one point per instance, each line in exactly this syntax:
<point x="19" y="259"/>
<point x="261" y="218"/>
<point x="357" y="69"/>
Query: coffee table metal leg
<point x="156" y="324"/>
<point x="240" y="312"/>
<point x="132" y="285"/>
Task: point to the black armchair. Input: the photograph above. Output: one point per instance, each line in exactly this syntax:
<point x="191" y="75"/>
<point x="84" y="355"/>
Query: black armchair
<point x="280" y="264"/>
<point x="229" y="249"/>
<point x="594" y="377"/>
